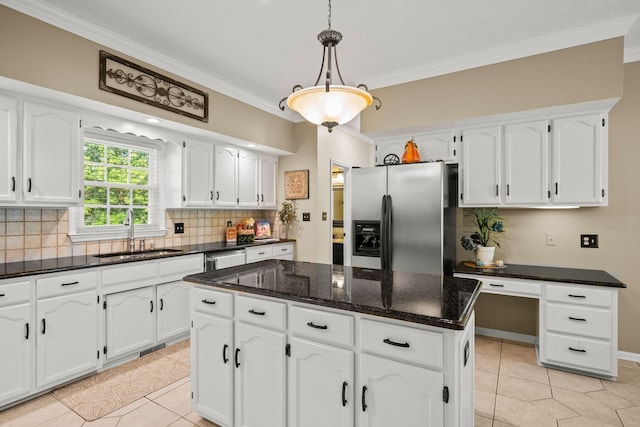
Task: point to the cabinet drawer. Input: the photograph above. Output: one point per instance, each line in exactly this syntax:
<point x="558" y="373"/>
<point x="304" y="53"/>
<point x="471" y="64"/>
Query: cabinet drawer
<point x="579" y="353"/>
<point x="510" y="287"/>
<point x="282" y="250"/>
<point x="261" y="312"/>
<point x="134" y="275"/>
<point x="323" y="325"/>
<point x="67" y="284"/>
<point x="175" y="268"/>
<point x="582" y="295"/>
<point x="571" y="319"/>
<point x="406" y="343"/>
<point x="14" y="293"/>
<point x="212" y="302"/>
<point x="260" y="253"/>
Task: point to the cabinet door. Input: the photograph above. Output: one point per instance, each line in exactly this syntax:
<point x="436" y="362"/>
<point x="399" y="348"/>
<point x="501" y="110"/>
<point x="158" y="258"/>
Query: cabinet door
<point x="320" y="385"/>
<point x="578" y="174"/>
<point x="16" y="357"/>
<point x="8" y="150"/>
<point x="52" y="156"/>
<point x="526" y="159"/>
<point x="130" y="321"/>
<point x="480" y="171"/>
<point x="268" y="179"/>
<point x="67" y="337"/>
<point x="260" y="377"/>
<point x="391" y="393"/>
<point x="197" y="169"/>
<point x="225" y="176"/>
<point x="248" y="190"/>
<point x="436" y="146"/>
<point x="173" y="310"/>
<point x="212" y="367"/>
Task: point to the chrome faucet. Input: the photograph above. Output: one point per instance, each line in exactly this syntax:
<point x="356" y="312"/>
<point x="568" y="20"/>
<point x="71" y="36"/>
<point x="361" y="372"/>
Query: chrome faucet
<point x="129" y="222"/>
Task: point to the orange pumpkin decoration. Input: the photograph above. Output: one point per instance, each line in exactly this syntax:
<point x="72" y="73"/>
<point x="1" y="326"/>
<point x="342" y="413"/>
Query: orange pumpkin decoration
<point x="411" y="153"/>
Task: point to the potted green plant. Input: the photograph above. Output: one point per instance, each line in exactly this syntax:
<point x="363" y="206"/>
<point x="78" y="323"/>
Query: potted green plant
<point x="287" y="214"/>
<point x="488" y="223"/>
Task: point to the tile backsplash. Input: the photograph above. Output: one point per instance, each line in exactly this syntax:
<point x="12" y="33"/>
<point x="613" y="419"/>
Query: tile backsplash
<point x="31" y="234"/>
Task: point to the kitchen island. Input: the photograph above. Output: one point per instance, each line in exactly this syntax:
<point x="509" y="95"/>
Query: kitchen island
<point x="279" y="343"/>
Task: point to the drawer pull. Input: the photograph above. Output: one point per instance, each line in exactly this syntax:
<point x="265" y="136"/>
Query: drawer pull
<point x="237" y="362"/>
<point x="580" y="319"/>
<point x="261" y="253"/>
<point x="70" y="284"/>
<point x="577" y="350"/>
<point x="2" y="295"/>
<point x="257" y="313"/>
<point x="496" y="285"/>
<point x="397" y="344"/>
<point x="344" y="393"/>
<point x="284" y="249"/>
<point x="313" y="325"/>
<point x="225" y="359"/>
<point x="206" y="301"/>
<point x="364" y="398"/>
<point x="577" y="296"/>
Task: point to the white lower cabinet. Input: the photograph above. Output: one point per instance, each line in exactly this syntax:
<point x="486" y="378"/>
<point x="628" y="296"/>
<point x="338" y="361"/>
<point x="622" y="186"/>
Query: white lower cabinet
<point x="130" y="321"/>
<point x="18" y="341"/>
<point x="266" y="362"/>
<point x="260" y="376"/>
<point x="320" y="385"/>
<point x="392" y="393"/>
<point x="67" y="327"/>
<point x="172" y="301"/>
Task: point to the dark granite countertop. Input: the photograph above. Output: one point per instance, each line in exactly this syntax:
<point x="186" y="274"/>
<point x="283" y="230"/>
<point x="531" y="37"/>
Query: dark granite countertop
<point x="52" y="265"/>
<point x="578" y="276"/>
<point x="419" y="298"/>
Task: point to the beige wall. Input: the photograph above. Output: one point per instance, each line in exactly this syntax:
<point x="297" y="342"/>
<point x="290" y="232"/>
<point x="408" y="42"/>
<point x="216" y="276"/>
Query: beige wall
<point x="568" y="76"/>
<point x="43" y="55"/>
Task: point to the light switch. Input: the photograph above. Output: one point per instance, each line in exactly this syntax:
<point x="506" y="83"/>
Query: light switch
<point x="306" y="216"/>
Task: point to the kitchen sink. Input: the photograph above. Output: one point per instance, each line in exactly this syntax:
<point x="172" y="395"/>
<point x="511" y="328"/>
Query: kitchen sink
<point x="149" y="253"/>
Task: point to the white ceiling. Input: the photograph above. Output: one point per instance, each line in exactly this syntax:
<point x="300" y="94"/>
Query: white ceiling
<point x="256" y="50"/>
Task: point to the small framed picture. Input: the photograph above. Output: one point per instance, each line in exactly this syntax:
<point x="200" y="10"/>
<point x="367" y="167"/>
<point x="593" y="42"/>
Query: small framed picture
<point x="296" y="184"/>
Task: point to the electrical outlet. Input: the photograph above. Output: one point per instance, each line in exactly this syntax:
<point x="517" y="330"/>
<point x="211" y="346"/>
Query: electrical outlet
<point x="178" y="228"/>
<point x="551" y="239"/>
<point x="306" y="216"/>
<point x="588" y="240"/>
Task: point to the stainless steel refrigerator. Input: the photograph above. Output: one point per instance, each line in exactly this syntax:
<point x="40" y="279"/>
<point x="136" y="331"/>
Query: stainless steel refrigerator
<point x="404" y="217"/>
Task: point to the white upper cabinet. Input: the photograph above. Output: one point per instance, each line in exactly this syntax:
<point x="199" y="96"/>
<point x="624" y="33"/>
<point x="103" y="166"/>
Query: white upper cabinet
<point x="432" y="146"/>
<point x="268" y="179"/>
<point x="579" y="160"/>
<point x="248" y="190"/>
<point x="480" y="171"/>
<point x="225" y="176"/>
<point x="52" y="156"/>
<point x="197" y="173"/>
<point x="526" y="172"/>
<point x="8" y="149"/>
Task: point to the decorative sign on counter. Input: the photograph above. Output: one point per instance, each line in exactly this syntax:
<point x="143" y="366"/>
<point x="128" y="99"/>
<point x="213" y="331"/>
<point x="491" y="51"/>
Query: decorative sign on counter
<point x="133" y="81"/>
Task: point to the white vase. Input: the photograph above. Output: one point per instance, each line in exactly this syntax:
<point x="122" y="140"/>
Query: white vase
<point x="484" y="255"/>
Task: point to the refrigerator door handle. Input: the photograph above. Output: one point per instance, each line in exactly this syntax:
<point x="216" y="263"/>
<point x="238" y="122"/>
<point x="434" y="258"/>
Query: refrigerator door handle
<point x="389" y="234"/>
<point x="383" y="233"/>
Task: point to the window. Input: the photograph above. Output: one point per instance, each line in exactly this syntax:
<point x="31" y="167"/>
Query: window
<point x="120" y="173"/>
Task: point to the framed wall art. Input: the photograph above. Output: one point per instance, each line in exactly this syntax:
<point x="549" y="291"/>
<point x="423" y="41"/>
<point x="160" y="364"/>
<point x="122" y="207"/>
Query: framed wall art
<point x="122" y="77"/>
<point x="296" y="184"/>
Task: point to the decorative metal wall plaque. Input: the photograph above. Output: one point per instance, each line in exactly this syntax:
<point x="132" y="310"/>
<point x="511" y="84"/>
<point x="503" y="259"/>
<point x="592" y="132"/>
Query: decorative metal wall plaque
<point x="133" y="81"/>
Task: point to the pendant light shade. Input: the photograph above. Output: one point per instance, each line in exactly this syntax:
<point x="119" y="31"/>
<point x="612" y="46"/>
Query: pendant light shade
<point x="329" y="105"/>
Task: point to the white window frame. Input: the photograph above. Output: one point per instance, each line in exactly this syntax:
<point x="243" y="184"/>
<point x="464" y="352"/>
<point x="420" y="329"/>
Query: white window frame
<point x="78" y="232"/>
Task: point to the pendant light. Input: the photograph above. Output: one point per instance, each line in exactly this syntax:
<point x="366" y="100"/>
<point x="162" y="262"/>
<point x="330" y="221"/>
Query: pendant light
<point x="327" y="104"/>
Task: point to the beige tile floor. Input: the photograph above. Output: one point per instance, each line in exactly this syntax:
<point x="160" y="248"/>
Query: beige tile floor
<point x="511" y="390"/>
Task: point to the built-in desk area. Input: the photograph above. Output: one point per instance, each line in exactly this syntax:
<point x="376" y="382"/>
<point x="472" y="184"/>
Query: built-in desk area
<point x="578" y="312"/>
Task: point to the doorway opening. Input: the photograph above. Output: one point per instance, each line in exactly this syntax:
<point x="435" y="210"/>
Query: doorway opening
<point x="339" y="174"/>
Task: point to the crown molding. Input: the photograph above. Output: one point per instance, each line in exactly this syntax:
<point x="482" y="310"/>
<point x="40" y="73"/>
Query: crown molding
<point x="111" y="40"/>
<point x="547" y="43"/>
<point x="631" y="54"/>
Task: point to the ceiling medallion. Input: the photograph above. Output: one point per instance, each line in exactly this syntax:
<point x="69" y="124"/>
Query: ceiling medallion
<point x="329" y="105"/>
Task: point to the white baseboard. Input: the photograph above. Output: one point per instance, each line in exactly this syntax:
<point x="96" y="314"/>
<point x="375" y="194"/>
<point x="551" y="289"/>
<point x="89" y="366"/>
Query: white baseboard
<point x="625" y="355"/>
<point x="512" y="336"/>
<point x="532" y="339"/>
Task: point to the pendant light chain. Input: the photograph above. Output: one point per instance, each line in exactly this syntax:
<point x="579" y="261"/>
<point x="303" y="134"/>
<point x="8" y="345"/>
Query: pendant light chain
<point x="329" y="17"/>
